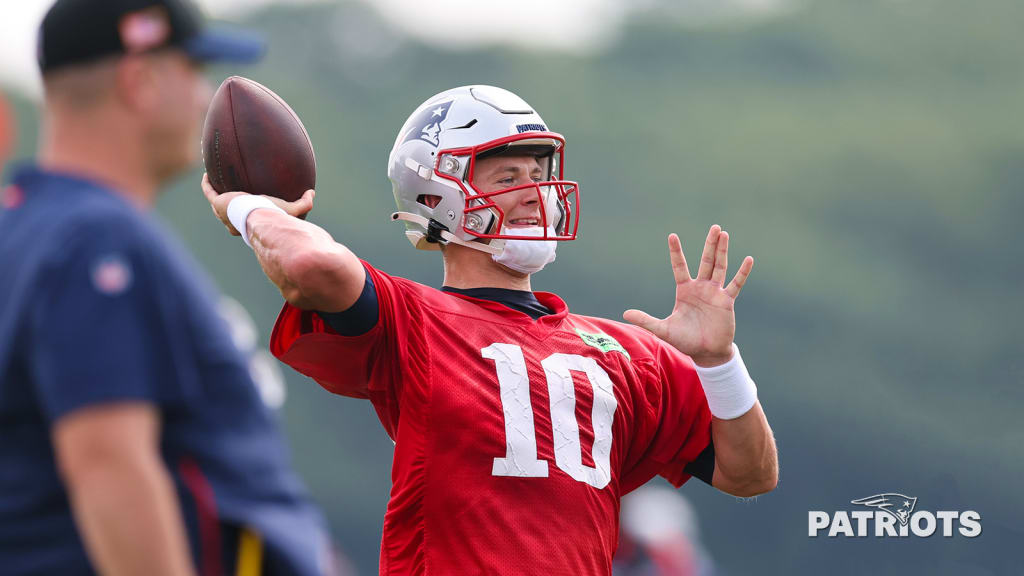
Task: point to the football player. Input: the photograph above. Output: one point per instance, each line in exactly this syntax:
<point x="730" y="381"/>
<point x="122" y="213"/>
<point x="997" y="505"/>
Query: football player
<point x="518" y="425"/>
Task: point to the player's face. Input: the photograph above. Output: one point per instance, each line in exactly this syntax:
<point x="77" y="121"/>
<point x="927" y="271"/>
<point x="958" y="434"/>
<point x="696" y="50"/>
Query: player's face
<point x="184" y="97"/>
<point x="522" y="208"/>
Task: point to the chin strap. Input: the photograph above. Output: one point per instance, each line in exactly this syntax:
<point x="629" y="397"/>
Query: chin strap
<point x="421" y="241"/>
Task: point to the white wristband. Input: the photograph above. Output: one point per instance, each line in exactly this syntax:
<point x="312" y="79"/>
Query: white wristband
<point x="728" y="387"/>
<point x="241" y="206"/>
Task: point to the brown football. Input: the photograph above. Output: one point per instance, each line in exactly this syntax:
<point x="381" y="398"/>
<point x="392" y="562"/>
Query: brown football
<point x="255" y="143"/>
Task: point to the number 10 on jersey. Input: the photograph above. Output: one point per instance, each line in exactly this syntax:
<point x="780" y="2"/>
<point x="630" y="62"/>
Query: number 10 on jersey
<point x="520" y="435"/>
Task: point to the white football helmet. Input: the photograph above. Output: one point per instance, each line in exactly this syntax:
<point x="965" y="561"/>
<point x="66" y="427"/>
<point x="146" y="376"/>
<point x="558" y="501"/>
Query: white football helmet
<point x="435" y="154"/>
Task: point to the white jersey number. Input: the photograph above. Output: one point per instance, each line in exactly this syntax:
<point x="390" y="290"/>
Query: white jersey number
<point x="520" y="437"/>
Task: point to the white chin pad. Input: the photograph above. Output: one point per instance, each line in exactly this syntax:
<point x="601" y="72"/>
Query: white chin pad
<point x="527" y="256"/>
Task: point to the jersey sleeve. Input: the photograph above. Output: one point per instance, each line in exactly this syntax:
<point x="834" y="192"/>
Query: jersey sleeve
<point x="99" y="332"/>
<point x="361" y="317"/>
<point x="369" y="365"/>
<point x="675" y="422"/>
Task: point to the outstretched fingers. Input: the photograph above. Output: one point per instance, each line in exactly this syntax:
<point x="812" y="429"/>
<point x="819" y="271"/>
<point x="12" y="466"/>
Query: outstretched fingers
<point x="675" y="251"/>
<point x="721" y="259"/>
<point x="734" y="287"/>
<point x="707" y="258"/>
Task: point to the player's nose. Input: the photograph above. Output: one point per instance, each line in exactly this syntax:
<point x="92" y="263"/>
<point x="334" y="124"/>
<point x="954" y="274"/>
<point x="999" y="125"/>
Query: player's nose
<point x="527" y="196"/>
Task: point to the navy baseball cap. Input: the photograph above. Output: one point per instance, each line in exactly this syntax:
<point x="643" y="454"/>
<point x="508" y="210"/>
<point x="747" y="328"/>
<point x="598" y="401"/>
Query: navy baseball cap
<point x="79" y="31"/>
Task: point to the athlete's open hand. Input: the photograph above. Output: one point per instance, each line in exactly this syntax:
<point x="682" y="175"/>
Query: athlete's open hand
<point x="703" y="322"/>
<point x="219" y="204"/>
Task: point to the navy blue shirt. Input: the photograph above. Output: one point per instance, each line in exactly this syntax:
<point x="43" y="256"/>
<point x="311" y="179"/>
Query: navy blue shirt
<point x="99" y="304"/>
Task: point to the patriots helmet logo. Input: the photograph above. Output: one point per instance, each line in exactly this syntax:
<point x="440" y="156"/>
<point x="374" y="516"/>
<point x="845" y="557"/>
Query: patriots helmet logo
<point x="426" y="125"/>
<point x="899" y="506"/>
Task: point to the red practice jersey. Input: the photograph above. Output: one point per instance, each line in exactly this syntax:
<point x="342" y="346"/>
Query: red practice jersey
<point x="514" y="438"/>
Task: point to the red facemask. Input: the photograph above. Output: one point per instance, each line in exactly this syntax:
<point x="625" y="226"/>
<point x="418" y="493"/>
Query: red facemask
<point x="559" y="199"/>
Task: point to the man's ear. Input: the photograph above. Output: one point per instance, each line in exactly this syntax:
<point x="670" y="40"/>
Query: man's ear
<point x="136" y="84"/>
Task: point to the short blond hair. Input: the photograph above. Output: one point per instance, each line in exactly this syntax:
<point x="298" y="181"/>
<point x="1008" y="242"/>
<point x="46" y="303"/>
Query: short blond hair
<point x="81" y="86"/>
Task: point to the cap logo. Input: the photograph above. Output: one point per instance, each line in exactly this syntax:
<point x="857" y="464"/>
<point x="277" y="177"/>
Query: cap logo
<point x="144" y="30"/>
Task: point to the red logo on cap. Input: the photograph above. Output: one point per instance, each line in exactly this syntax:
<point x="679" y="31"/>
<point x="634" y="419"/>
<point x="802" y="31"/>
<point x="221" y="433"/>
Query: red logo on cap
<point x="144" y="30"/>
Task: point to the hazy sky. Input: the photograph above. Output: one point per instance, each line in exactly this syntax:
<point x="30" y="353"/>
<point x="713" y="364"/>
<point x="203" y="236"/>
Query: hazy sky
<point x="581" y="24"/>
<point x="19" y="20"/>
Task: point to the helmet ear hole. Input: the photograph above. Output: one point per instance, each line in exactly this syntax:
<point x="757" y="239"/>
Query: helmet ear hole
<point x="429" y="200"/>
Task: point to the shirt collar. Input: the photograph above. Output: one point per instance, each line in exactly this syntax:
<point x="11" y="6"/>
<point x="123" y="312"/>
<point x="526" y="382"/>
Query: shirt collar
<point x="559" y="309"/>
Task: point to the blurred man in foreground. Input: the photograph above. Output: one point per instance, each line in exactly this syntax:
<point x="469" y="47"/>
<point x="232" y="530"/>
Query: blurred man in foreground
<point x="132" y="437"/>
<point x="518" y="425"/>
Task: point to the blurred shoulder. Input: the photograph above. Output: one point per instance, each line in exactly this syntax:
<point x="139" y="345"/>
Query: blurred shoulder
<point x="100" y="222"/>
<point x="54" y="231"/>
<point x="69" y="211"/>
